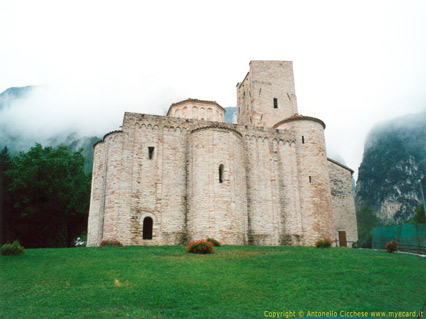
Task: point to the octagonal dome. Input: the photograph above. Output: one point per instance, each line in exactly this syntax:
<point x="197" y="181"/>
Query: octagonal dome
<point x="197" y="110"/>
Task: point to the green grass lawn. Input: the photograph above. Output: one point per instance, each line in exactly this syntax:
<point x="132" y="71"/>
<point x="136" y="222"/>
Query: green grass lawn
<point x="234" y="282"/>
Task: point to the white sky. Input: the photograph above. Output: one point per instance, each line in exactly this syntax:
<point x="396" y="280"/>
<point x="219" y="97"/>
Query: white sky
<point x="356" y="63"/>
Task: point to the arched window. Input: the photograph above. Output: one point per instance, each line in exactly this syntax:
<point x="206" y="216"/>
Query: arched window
<point x="147" y="228"/>
<point x="221" y="168"/>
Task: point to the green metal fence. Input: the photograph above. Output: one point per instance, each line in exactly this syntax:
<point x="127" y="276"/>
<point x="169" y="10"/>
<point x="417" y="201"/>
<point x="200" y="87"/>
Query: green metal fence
<point x="409" y="237"/>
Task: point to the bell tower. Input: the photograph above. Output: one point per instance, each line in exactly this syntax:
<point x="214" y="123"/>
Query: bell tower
<point x="267" y="94"/>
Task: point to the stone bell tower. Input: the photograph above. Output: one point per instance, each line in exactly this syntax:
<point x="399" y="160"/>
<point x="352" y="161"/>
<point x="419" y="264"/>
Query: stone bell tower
<point x="266" y="95"/>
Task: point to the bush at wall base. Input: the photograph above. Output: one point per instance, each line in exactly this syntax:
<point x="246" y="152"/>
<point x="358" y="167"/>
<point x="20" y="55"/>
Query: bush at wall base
<point x="323" y="243"/>
<point x="14" y="248"/>
<point x="391" y="246"/>
<point x="200" y="247"/>
<point x="111" y="243"/>
<point x="214" y="242"/>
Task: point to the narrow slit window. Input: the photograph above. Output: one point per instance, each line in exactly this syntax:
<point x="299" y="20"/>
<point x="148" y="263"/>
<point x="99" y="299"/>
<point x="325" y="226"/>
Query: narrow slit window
<point x="150" y="152"/>
<point x="275" y="103"/>
<point x="221" y="173"/>
<point x="303" y="140"/>
<point x="310" y="179"/>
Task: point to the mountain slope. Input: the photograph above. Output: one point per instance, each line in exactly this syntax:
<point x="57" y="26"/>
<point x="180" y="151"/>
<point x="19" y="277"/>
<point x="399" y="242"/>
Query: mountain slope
<point x="393" y="163"/>
<point x="11" y="95"/>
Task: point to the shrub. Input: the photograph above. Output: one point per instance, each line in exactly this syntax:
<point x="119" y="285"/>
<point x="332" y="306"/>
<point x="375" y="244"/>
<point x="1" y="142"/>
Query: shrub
<point x="12" y="249"/>
<point x="391" y="246"/>
<point x="214" y="242"/>
<point x="323" y="243"/>
<point x="200" y="247"/>
<point x="111" y="243"/>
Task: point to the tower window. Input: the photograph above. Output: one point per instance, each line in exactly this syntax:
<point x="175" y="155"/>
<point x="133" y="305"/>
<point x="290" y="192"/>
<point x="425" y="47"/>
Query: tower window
<point x="275" y="103"/>
<point x="150" y="152"/>
<point x="221" y="173"/>
<point x="303" y="140"/>
<point x="310" y="179"/>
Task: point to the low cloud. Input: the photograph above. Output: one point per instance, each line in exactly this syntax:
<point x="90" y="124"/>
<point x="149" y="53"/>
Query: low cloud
<point x="51" y="114"/>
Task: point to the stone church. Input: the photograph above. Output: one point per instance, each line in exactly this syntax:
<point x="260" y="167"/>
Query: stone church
<point x="166" y="180"/>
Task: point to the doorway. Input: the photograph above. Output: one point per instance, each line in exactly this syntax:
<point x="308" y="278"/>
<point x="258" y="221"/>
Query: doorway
<point x="342" y="239"/>
<point x="147" y="228"/>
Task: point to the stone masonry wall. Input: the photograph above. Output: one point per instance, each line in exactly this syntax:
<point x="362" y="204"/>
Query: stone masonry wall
<point x="314" y="185"/>
<point x="266" y="197"/>
<point x="343" y="204"/>
<point x="266" y="81"/>
<point x="272" y="189"/>
<point x="114" y="145"/>
<point x="158" y="184"/>
<point x="97" y="197"/>
<point x="217" y="208"/>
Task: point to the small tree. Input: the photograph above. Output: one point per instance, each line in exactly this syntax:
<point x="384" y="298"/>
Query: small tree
<point x="8" y="219"/>
<point x="419" y="215"/>
<point x="366" y="220"/>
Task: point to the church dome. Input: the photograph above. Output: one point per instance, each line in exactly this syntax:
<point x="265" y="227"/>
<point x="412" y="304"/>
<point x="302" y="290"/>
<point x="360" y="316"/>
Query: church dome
<point x="197" y="110"/>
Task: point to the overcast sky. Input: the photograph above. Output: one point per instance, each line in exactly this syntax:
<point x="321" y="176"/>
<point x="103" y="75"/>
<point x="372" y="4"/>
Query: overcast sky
<point x="356" y="63"/>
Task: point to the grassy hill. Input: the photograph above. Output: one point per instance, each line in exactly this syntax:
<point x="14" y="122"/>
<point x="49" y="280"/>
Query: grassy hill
<point x="234" y="282"/>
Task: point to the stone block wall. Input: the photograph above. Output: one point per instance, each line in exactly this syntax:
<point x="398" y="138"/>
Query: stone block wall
<point x="217" y="185"/>
<point x="343" y="203"/>
<point x="272" y="210"/>
<point x="97" y="197"/>
<point x="266" y="81"/>
<point x="275" y="188"/>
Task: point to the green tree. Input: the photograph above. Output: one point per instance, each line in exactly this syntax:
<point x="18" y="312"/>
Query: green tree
<point x="6" y="204"/>
<point x="51" y="193"/>
<point x="419" y="216"/>
<point x="366" y="220"/>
